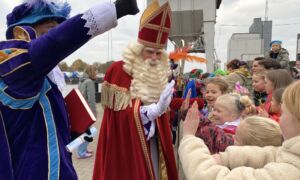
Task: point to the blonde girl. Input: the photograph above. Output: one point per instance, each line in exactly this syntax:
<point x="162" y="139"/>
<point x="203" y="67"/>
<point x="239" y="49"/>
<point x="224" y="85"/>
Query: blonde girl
<point x="229" y="109"/>
<point x="227" y="113"/>
<point x="258" y="131"/>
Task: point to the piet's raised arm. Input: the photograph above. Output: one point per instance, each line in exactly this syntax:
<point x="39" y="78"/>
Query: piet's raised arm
<point x="49" y="49"/>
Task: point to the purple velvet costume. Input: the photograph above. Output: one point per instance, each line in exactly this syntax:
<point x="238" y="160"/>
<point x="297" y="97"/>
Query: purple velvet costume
<point x="34" y="125"/>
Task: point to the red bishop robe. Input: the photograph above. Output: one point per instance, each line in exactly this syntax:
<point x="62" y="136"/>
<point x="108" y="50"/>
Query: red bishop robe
<point x="123" y="151"/>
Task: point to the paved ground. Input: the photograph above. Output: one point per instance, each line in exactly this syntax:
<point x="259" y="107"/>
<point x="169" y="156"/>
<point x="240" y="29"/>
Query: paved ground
<point x="84" y="167"/>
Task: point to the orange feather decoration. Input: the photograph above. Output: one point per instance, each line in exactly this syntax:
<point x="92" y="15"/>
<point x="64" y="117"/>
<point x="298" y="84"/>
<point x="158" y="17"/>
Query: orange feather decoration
<point x="182" y="54"/>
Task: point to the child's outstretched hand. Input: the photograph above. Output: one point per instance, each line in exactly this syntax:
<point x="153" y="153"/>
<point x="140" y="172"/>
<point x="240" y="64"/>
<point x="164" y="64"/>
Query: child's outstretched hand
<point x="186" y="103"/>
<point x="263" y="113"/>
<point x="185" y="106"/>
<point x="190" y="125"/>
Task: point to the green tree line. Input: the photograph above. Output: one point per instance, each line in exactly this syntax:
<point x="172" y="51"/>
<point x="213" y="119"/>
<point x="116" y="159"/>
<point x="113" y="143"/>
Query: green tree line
<point x="80" y="65"/>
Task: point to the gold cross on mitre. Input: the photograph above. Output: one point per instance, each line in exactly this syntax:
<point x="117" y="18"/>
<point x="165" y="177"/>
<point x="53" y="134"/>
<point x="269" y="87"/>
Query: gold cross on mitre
<point x="155" y="25"/>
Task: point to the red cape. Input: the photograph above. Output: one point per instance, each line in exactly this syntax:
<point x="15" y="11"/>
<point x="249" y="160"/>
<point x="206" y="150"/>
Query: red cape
<point x="123" y="151"/>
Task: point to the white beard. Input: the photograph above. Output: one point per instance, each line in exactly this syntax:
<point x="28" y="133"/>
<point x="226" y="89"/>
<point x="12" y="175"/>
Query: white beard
<point x="149" y="78"/>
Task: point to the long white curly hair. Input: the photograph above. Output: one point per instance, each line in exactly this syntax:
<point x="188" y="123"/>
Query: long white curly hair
<point x="148" y="81"/>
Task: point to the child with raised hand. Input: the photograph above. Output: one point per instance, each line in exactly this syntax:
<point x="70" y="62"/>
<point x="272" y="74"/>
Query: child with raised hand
<point x="227" y="113"/>
<point x="214" y="87"/>
<point x="228" y="110"/>
<point x="247" y="162"/>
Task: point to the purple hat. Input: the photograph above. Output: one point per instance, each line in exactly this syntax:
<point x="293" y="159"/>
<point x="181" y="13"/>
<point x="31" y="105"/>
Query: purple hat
<point x="34" y="11"/>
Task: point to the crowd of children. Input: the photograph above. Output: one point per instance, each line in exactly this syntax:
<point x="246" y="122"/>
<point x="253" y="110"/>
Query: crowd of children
<point x="236" y="117"/>
<point x="266" y="158"/>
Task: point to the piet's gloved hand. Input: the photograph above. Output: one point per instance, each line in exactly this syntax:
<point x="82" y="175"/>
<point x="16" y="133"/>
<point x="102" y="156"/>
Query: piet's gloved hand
<point x="155" y="110"/>
<point x="88" y="138"/>
<point x="126" y="7"/>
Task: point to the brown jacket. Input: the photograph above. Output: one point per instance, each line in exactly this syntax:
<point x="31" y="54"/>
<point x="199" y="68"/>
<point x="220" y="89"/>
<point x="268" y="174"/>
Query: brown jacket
<point x="242" y="75"/>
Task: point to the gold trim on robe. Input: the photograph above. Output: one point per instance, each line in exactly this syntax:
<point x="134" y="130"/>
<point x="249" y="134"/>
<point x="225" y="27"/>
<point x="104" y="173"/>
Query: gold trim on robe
<point x="115" y="97"/>
<point x="163" y="175"/>
<point x="142" y="138"/>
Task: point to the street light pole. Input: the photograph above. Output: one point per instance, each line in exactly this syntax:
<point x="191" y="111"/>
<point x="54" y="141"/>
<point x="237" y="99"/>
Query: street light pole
<point x="182" y="62"/>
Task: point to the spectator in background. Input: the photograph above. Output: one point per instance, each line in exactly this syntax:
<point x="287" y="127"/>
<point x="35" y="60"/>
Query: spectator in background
<point x="233" y="65"/>
<point x="244" y="64"/>
<point x="238" y="73"/>
<point x="194" y="84"/>
<point x="196" y="73"/>
<point x="275" y="106"/>
<point x="87" y="88"/>
<point x="264" y="64"/>
<point x="274" y="79"/>
<point x="269" y="64"/>
<point x="278" y="54"/>
<point x="296" y="70"/>
<point x="219" y="73"/>
<point x="259" y="90"/>
<point x="256" y="66"/>
<point x="205" y="76"/>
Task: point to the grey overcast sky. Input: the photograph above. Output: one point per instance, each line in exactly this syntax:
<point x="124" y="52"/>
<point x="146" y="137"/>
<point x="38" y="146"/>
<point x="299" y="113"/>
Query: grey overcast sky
<point x="238" y="13"/>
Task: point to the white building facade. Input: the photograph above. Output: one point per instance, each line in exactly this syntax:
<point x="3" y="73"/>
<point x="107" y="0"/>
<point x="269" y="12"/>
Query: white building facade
<point x="194" y="21"/>
<point x="245" y="46"/>
<point x="265" y="29"/>
<point x="298" y="48"/>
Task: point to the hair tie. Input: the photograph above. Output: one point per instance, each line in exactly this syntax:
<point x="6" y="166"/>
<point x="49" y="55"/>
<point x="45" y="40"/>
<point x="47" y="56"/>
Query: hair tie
<point x="240" y="105"/>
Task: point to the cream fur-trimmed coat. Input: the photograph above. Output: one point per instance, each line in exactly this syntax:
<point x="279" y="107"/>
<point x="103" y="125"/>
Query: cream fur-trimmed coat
<point x="241" y="162"/>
